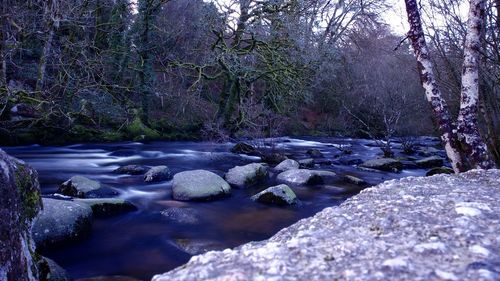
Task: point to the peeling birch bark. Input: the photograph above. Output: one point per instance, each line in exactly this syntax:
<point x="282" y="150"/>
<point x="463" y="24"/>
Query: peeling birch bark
<point x="432" y="92"/>
<point x="468" y="129"/>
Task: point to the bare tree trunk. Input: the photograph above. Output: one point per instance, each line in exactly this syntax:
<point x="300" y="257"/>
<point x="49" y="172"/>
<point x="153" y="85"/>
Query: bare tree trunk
<point x="468" y="129"/>
<point x="3" y="45"/>
<point x="51" y="11"/>
<point x="433" y="94"/>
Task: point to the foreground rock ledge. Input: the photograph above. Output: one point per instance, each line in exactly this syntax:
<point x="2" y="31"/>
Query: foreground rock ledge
<point x="443" y="227"/>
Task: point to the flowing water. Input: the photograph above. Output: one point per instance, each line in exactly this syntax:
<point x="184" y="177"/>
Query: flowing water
<point x="143" y="243"/>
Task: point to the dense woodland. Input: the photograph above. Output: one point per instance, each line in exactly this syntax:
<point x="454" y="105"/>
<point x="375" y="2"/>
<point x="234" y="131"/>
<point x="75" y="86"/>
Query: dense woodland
<point x="107" y="70"/>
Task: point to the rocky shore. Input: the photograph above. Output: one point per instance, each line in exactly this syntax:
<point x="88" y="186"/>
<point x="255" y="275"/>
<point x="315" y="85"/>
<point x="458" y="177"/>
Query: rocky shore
<point x="443" y="227"/>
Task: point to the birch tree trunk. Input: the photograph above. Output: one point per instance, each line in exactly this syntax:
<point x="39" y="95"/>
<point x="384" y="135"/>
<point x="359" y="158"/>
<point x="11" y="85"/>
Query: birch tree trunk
<point x="468" y="129"/>
<point x="432" y="92"/>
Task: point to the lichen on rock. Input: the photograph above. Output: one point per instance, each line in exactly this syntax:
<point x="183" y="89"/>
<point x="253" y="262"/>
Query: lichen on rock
<point x="19" y="203"/>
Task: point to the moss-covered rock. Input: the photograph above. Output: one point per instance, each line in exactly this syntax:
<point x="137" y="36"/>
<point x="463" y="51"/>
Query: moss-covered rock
<point x="276" y="195"/>
<point x="246" y="176"/>
<point x="139" y="131"/>
<point x="19" y="204"/>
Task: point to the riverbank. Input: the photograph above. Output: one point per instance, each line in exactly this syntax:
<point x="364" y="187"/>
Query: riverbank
<point x="443" y="227"/>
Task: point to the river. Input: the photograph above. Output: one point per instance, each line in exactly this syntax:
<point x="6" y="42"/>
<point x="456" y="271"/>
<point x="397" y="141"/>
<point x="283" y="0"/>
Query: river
<point x="143" y="243"/>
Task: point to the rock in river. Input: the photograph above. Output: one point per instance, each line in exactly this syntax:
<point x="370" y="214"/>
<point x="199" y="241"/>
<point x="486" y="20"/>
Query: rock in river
<point x="273" y="158"/>
<point x="383" y="164"/>
<point x="104" y="207"/>
<point x="288" y="164"/>
<point x="158" y="173"/>
<point x="199" y="185"/>
<point x="278" y="195"/>
<point x="439" y="170"/>
<point x="305" y="177"/>
<point x="418" y="228"/>
<point x="316" y="153"/>
<point x="244" y="148"/>
<point x="49" y="270"/>
<point x="82" y="187"/>
<point x="19" y="204"/>
<point x="181" y="215"/>
<point x="306" y="163"/>
<point x="132" y="170"/>
<point x="430" y="162"/>
<point x="61" y="221"/>
<point x="245" y="176"/>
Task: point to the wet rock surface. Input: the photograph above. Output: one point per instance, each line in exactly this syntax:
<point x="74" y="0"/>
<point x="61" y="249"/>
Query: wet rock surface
<point x="82" y="187"/>
<point x="19" y="204"/>
<point x="158" y="173"/>
<point x="443" y="227"/>
<point x="276" y="195"/>
<point x="383" y="164"/>
<point x="199" y="185"/>
<point x="247" y="175"/>
<point x="305" y="177"/>
<point x="132" y="170"/>
<point x="286" y="165"/>
<point x="105" y="207"/>
<point x="61" y="222"/>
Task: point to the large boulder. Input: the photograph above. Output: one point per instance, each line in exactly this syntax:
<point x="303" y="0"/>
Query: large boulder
<point x="61" y="222"/>
<point x="305" y="177"/>
<point x="19" y="204"/>
<point x="245" y="176"/>
<point x="82" y="187"/>
<point x="430" y="162"/>
<point x="198" y="185"/>
<point x="383" y="164"/>
<point x="105" y="207"/>
<point x="132" y="170"/>
<point x="276" y="195"/>
<point x="286" y="165"/>
<point x="158" y="173"/>
<point x="418" y="228"/>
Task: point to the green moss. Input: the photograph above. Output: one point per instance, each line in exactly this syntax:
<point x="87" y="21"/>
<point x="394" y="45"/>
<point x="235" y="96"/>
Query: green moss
<point x="30" y="196"/>
<point x="138" y="131"/>
<point x="112" y="136"/>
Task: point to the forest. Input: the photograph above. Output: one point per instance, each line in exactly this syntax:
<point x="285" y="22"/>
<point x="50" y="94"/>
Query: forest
<point x="249" y="140"/>
<point x="107" y="70"/>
